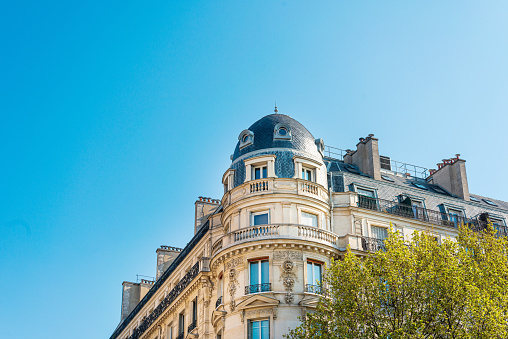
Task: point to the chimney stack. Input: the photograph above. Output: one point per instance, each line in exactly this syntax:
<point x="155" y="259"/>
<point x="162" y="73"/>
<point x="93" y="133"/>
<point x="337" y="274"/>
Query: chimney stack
<point x="132" y="293"/>
<point x="204" y="207"/>
<point x="451" y="175"/>
<point x="366" y="157"/>
<point x="165" y="257"/>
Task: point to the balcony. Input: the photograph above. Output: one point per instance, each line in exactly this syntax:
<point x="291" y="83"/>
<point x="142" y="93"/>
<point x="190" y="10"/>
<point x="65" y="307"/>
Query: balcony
<point x="275" y="185"/>
<point x="316" y="289"/>
<point x="412" y="212"/>
<point x="191" y="326"/>
<point x="267" y="287"/>
<point x="218" y="302"/>
<point x="373" y="244"/>
<point x="275" y="231"/>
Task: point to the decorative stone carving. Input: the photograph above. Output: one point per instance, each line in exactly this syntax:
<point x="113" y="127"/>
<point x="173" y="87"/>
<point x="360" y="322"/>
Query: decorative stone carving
<point x="288" y="278"/>
<point x="233" y="282"/>
<point x="234" y="263"/>
<point x="287" y="255"/>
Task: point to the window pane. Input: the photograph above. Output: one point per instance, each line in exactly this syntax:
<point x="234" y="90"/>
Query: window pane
<point x="257" y="173"/>
<point x="264" y="272"/>
<point x="309" y="175"/>
<point x="317" y="274"/>
<point x="255" y="330"/>
<point x="265" y="329"/>
<point x="254" y="272"/>
<point x="303" y="173"/>
<point x="260" y="219"/>
<point x="379" y="232"/>
<point x="365" y="192"/>
<point x="265" y="175"/>
<point x="310" y="273"/>
<point x="309" y="219"/>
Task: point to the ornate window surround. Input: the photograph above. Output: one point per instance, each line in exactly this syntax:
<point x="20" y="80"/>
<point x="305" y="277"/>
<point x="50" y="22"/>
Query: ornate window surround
<point x="246" y="138"/>
<point x="262" y="160"/>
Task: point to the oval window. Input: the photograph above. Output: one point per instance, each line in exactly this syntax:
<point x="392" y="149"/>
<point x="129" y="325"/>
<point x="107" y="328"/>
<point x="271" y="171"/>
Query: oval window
<point x="283" y="131"/>
<point x="245" y="137"/>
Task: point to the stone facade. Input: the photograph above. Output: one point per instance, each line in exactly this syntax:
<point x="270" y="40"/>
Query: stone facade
<point x="258" y="252"/>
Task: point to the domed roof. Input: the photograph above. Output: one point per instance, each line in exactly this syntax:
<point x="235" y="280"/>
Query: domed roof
<point x="265" y="136"/>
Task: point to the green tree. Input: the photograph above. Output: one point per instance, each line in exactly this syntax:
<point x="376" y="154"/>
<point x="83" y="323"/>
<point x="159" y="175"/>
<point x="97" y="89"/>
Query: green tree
<point x="416" y="289"/>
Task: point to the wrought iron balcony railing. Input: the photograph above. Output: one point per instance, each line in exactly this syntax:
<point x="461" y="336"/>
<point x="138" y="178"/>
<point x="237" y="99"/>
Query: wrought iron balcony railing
<point x="191" y="326"/>
<point x="258" y="288"/>
<point x="309" y="288"/>
<point x="180" y="336"/>
<point x="218" y="302"/>
<point x="373" y="244"/>
<point x="413" y="212"/>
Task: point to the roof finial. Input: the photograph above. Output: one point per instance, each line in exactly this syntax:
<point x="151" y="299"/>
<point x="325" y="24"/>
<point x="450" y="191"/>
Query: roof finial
<point x="276" y="110"/>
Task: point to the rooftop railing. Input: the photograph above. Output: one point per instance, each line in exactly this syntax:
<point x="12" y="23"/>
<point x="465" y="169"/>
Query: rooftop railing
<point x="413" y="212"/>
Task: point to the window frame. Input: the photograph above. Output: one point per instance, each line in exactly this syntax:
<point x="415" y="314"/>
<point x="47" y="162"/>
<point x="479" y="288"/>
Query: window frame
<point x="302" y="212"/>
<point x="309" y="164"/>
<point x="306" y="170"/>
<point x="260" y="320"/>
<point x="263" y="174"/>
<point x="260" y="262"/>
<point x="246" y="138"/>
<point x="314" y="263"/>
<point x="254" y="213"/>
<point x="267" y="160"/>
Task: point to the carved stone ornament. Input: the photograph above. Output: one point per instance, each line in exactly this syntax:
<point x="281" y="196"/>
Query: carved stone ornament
<point x="233" y="282"/>
<point x="234" y="263"/>
<point x="288" y="278"/>
<point x="287" y="255"/>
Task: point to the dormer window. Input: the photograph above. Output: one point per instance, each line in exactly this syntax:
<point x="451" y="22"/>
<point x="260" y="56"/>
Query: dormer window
<point x="306" y="169"/>
<point x="282" y="131"/>
<point x="246" y="138"/>
<point x="260" y="167"/>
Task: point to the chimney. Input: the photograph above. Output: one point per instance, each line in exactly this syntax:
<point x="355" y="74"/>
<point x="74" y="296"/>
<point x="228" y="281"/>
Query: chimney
<point x="132" y="293"/>
<point x="165" y="257"/>
<point x="451" y="175"/>
<point x="204" y="207"/>
<point x="366" y="157"/>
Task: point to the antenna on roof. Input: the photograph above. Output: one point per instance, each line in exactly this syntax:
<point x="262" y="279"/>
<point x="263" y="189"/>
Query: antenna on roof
<point x="276" y="110"/>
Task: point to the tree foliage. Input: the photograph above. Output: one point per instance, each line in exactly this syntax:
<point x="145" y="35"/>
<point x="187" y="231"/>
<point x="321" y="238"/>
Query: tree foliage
<point x="416" y="289"/>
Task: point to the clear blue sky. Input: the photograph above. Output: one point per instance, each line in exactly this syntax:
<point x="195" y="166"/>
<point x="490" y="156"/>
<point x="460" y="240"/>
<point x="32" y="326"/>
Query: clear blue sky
<point x="116" y="116"/>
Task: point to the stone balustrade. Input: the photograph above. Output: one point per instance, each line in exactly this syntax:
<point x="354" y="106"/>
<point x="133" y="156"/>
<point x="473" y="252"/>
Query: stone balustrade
<point x="275" y="185"/>
<point x="275" y="231"/>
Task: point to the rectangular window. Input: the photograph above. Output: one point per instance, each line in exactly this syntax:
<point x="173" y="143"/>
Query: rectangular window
<point x="259" y="218"/>
<point x="380" y="233"/>
<point x="259" y="276"/>
<point x="195" y="310"/>
<point x="260" y="172"/>
<point x="365" y="192"/>
<point x="313" y="273"/>
<point x="307" y="174"/>
<point x="309" y="219"/>
<point x="455" y="215"/>
<point x="170" y="332"/>
<point x="259" y="329"/>
<point x="181" y="324"/>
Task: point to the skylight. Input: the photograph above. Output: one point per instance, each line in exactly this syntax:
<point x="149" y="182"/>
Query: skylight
<point x="438" y="189"/>
<point x="473" y="199"/>
<point x="387" y="178"/>
<point x="489" y="202"/>
<point x="420" y="186"/>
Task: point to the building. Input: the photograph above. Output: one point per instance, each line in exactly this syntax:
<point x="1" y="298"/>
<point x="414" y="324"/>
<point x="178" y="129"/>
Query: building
<point x="290" y="204"/>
